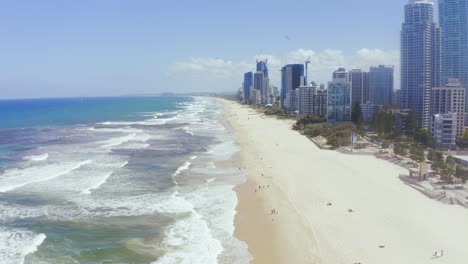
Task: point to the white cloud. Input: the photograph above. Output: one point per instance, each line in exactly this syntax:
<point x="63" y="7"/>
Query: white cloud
<point x="210" y="69"/>
<point x="210" y="72"/>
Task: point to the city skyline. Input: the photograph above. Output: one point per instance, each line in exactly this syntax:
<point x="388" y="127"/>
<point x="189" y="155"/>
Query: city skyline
<point x="111" y="48"/>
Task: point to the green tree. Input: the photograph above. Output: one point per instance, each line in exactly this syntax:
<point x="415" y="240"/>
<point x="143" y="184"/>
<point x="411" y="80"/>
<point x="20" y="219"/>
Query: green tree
<point x="462" y="174"/>
<point x="356" y="114"/>
<point x="399" y="149"/>
<point x="423" y="137"/>
<point x="438" y="163"/>
<point x="417" y="154"/>
<point x="303" y="121"/>
<point x="431" y="154"/>
<point x="275" y="110"/>
<point x="462" y="142"/>
<point x="411" y="123"/>
<point x="332" y="140"/>
<point x="385" y="144"/>
<point x="449" y="170"/>
<point x="383" y="122"/>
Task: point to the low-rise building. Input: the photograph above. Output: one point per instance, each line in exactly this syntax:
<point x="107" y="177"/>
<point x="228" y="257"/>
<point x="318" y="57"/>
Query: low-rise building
<point x="400" y="121"/>
<point x="444" y="130"/>
<point x="450" y="99"/>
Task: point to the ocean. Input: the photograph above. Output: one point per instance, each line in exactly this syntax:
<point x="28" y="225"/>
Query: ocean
<point x="118" y="180"/>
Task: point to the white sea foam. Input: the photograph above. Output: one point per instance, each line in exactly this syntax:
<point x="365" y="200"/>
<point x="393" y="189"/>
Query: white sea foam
<point x="157" y="119"/>
<point x="101" y="180"/>
<point x="15" y="245"/>
<point x="202" y="232"/>
<point x="134" y="146"/>
<point x="41" y="157"/>
<point x="190" y="241"/>
<point x="11" y="212"/>
<point x="16" y="178"/>
<point x="182" y="168"/>
<point x="96" y="185"/>
<point x="188" y="131"/>
<point x="210" y="180"/>
<point x="117" y="141"/>
<point x="126" y="129"/>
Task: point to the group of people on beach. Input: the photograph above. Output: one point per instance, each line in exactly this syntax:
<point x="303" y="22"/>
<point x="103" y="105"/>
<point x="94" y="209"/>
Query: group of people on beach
<point x="349" y="210"/>
<point x="262" y="187"/>
<point x="438" y="254"/>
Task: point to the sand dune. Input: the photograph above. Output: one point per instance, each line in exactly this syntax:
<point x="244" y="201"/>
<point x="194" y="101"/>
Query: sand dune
<point x="390" y="223"/>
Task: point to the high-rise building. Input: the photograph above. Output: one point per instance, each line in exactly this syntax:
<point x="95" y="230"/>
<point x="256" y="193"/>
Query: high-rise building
<point x="341" y="73"/>
<point x="276" y="92"/>
<point x="396" y="98"/>
<point x="419" y="57"/>
<point x="381" y="85"/>
<point x="359" y="86"/>
<point x="256" y="97"/>
<point x="444" y="130"/>
<point x="307" y="100"/>
<point x="436" y="65"/>
<point x="258" y="84"/>
<point x="247" y="86"/>
<point x="294" y="99"/>
<point x="339" y="98"/>
<point x="258" y="81"/>
<point x="450" y="99"/>
<point x="453" y="17"/>
<point x="262" y="66"/>
<point x="321" y="102"/>
<point x="292" y="76"/>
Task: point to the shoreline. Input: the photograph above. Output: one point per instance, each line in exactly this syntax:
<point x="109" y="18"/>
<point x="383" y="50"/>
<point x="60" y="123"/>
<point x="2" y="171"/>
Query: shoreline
<point x="267" y="235"/>
<point x="373" y="217"/>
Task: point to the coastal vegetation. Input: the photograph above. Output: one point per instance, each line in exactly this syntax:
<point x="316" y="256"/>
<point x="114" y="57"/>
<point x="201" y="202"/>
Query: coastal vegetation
<point x="275" y="110"/>
<point x="337" y="135"/>
<point x="404" y="136"/>
<point x="462" y="142"/>
<point x="303" y="121"/>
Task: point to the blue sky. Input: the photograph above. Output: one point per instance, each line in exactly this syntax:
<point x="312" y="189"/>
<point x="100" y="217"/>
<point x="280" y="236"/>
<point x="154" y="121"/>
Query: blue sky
<point x="63" y="48"/>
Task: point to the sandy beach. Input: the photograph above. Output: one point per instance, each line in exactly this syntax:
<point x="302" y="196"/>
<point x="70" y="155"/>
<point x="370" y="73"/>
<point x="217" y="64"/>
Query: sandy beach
<point x="390" y="222"/>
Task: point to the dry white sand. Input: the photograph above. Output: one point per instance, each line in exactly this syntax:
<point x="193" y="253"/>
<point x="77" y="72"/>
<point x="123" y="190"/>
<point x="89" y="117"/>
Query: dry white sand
<point x="304" y="179"/>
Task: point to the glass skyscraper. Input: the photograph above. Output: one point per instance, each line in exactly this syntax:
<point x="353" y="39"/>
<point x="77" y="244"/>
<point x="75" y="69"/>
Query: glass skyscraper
<point x="292" y="76"/>
<point x="453" y="16"/>
<point x="359" y="86"/>
<point x="262" y="67"/>
<point x="258" y="81"/>
<point x="420" y="58"/>
<point x="248" y="83"/>
<point x="381" y="83"/>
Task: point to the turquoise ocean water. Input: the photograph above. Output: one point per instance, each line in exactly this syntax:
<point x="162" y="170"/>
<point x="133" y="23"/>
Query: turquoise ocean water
<point x="117" y="180"/>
